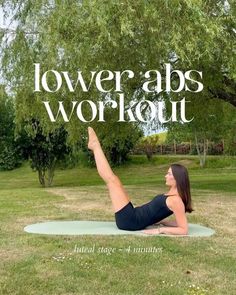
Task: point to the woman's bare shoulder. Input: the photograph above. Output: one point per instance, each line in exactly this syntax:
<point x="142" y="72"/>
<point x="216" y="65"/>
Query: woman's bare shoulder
<point x="174" y="201"/>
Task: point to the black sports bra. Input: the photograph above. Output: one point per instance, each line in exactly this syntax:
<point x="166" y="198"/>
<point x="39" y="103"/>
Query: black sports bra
<point x="155" y="210"/>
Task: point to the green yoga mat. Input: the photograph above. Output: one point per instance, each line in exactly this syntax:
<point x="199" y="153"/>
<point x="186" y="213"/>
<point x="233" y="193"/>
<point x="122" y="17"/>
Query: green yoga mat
<point x="101" y="228"/>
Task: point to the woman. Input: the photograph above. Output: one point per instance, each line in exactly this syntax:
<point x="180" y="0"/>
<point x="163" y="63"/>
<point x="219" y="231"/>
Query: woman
<point x="176" y="201"/>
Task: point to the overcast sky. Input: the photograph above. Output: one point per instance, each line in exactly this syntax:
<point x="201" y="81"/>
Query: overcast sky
<point x="5" y="22"/>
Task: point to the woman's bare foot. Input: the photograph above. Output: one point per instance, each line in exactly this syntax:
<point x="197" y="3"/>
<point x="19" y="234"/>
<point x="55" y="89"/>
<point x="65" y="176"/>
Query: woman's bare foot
<point x="93" y="141"/>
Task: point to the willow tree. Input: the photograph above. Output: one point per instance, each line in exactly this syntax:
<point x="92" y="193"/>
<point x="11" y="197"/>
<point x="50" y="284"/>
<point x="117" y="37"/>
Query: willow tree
<point x="117" y="35"/>
<point x="209" y="125"/>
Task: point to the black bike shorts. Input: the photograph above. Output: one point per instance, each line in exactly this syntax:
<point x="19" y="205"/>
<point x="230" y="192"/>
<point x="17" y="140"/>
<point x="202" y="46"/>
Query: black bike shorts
<point x="127" y="219"/>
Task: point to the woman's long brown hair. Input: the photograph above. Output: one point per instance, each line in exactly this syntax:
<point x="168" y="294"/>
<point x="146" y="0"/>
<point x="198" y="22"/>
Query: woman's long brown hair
<point x="180" y="174"/>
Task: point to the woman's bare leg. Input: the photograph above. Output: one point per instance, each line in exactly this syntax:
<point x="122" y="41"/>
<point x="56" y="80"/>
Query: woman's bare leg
<point x="117" y="192"/>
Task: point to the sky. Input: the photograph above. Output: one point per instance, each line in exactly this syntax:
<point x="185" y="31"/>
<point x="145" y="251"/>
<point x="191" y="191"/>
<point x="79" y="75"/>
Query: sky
<point x="1" y="18"/>
<point x="5" y="22"/>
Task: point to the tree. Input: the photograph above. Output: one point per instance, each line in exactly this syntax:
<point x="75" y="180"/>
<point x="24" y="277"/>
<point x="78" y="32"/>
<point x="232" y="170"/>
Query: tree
<point x="43" y="151"/>
<point x="118" y="139"/>
<point x="148" y="145"/>
<point x="209" y="124"/>
<point x="10" y="156"/>
<point x="138" y="35"/>
<point x="229" y="126"/>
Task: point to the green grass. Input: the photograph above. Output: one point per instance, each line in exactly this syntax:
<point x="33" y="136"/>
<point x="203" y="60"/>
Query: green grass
<point x="37" y="264"/>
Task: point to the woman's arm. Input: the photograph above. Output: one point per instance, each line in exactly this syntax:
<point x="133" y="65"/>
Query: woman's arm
<point x="167" y="222"/>
<point x="173" y="230"/>
<point x="166" y="230"/>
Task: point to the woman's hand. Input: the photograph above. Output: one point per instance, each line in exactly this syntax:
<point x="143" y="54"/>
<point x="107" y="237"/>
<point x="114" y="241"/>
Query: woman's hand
<point x="152" y="231"/>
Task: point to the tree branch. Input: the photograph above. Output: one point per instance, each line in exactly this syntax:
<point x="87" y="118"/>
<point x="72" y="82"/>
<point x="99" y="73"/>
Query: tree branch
<point x="14" y="31"/>
<point x="222" y="94"/>
<point x="228" y="95"/>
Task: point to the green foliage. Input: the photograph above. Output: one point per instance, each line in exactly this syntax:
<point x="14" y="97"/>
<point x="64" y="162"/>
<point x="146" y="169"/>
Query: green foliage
<point x="229" y="130"/>
<point x="9" y="150"/>
<point x="9" y="157"/>
<point x="137" y="35"/>
<point x="117" y="140"/>
<point x="211" y="120"/>
<point x="162" y="137"/>
<point x="148" y="145"/>
<point x="43" y="150"/>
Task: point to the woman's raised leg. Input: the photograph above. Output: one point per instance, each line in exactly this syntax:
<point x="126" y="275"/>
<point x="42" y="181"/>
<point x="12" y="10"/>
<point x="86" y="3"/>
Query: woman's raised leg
<point x="117" y="192"/>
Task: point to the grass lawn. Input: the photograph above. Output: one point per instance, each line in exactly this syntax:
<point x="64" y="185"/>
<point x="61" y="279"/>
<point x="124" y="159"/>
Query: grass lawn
<point x="38" y="264"/>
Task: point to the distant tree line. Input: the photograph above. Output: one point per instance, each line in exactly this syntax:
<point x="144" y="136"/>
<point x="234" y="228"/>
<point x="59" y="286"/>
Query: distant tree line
<point x="184" y="148"/>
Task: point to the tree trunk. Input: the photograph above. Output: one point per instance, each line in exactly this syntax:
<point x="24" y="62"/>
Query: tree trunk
<point x="174" y="147"/>
<point x="202" y="157"/>
<point x="41" y="176"/>
<point x="149" y="155"/>
<point x="205" y="150"/>
<point x="51" y="170"/>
